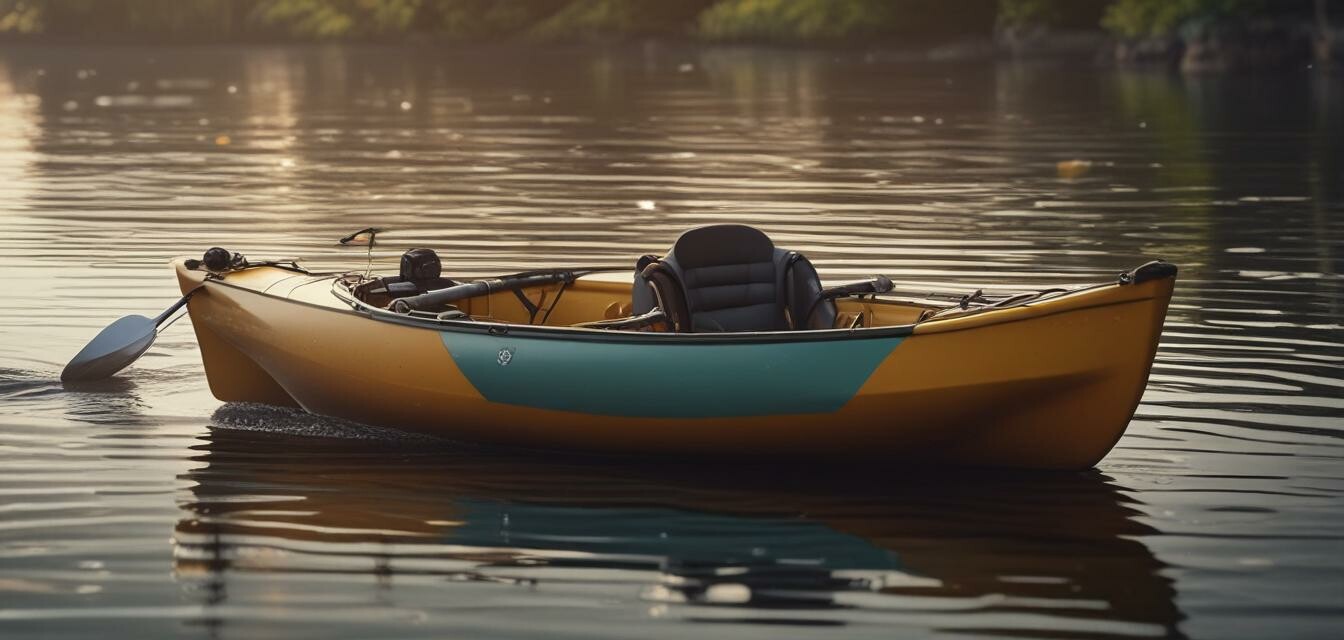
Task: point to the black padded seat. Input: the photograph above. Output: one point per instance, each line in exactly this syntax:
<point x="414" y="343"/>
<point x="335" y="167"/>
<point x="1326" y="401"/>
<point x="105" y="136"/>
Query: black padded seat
<point x="731" y="277"/>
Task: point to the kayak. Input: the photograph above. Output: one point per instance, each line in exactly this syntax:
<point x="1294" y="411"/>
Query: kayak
<point x="724" y="346"/>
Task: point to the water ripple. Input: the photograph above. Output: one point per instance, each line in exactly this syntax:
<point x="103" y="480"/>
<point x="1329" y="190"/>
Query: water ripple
<point x="142" y="502"/>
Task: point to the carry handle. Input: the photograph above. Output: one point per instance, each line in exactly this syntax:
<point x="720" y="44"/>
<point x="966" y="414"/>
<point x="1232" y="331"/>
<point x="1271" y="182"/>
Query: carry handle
<point x="371" y="231"/>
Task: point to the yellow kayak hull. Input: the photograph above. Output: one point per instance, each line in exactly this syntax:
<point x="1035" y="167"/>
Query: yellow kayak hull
<point x="1050" y="384"/>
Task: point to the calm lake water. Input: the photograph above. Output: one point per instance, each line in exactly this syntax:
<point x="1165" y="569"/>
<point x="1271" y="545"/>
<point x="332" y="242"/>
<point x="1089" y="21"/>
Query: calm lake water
<point x="143" y="507"/>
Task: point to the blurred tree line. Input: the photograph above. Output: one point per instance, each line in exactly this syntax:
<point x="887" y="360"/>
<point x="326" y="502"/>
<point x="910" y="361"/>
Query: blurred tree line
<point x="750" y="20"/>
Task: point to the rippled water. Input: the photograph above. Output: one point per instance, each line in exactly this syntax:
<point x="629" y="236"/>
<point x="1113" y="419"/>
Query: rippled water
<point x="142" y="507"/>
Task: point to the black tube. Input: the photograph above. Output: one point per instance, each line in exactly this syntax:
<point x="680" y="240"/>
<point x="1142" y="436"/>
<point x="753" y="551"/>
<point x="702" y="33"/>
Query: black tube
<point x="472" y="289"/>
<point x="631" y="322"/>
<point x="879" y="284"/>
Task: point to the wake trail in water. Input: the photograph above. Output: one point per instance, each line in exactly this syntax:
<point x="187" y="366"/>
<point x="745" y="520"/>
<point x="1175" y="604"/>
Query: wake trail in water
<point x="248" y="416"/>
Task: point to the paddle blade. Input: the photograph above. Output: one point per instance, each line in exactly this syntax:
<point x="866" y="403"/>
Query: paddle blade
<point x="113" y="349"/>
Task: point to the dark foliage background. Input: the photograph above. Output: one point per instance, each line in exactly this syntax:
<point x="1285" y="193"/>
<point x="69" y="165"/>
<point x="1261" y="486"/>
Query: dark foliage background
<point x="732" y="20"/>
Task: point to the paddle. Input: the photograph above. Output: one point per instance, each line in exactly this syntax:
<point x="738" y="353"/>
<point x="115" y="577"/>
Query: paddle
<point x="117" y="346"/>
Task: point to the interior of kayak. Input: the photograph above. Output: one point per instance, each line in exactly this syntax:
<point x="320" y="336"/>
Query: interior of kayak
<point x="717" y="279"/>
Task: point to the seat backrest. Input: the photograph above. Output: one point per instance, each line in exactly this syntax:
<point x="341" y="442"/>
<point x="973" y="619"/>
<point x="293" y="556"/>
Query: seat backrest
<point x="731" y="277"/>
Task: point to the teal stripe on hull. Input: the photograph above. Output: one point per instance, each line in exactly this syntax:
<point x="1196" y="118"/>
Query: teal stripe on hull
<point x="674" y="380"/>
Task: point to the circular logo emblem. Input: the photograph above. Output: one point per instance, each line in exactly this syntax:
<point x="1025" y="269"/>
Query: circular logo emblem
<point x="505" y="356"/>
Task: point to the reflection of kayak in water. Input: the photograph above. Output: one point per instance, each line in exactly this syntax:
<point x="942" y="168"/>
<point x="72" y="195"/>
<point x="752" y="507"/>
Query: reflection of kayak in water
<point x="758" y="537"/>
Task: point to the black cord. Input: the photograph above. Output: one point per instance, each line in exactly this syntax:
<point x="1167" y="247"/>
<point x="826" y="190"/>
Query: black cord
<point x="564" y="284"/>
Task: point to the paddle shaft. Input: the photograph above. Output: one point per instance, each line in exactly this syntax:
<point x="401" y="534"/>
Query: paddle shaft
<point x="173" y="309"/>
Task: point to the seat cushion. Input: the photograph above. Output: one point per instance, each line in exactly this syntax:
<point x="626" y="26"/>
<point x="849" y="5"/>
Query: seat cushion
<point x="731" y="275"/>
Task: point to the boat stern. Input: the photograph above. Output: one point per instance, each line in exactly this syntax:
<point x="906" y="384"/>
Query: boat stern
<point x="1052" y="385"/>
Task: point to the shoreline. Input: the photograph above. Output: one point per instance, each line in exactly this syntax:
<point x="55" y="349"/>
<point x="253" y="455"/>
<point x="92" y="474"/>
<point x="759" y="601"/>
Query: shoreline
<point x="1228" y="47"/>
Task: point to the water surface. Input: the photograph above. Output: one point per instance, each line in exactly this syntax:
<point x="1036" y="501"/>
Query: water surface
<point x="141" y="506"/>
